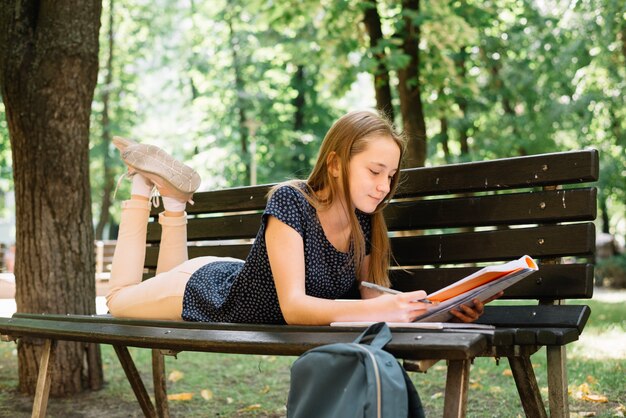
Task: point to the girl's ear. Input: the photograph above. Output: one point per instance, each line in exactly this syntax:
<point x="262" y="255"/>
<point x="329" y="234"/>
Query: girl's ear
<point x="334" y="164"/>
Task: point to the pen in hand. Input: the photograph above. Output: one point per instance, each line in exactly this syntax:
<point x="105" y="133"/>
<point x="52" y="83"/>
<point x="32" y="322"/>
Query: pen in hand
<point x="387" y="290"/>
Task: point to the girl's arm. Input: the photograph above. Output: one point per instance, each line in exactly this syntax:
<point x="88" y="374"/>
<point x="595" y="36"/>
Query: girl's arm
<point x="463" y="313"/>
<point x="366" y="292"/>
<point x="285" y="249"/>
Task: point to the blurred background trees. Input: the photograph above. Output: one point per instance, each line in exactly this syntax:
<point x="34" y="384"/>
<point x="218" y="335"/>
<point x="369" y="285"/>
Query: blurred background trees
<point x="246" y="89"/>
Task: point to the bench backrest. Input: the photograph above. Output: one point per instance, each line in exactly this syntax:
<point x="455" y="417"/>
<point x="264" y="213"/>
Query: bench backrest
<point x="104" y="250"/>
<point x="447" y="221"/>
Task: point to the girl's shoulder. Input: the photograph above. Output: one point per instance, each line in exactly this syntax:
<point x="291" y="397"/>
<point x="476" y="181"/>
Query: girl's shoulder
<point x="290" y="194"/>
<point x="294" y="190"/>
<point x="288" y="203"/>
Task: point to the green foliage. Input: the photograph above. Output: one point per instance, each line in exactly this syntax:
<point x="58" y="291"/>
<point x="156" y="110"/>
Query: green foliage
<point x="506" y="77"/>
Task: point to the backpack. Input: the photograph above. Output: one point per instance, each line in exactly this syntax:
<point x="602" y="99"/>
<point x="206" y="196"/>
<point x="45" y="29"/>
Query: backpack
<point x="357" y="379"/>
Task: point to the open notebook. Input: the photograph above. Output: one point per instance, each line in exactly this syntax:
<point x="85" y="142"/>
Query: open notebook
<point x="480" y="285"/>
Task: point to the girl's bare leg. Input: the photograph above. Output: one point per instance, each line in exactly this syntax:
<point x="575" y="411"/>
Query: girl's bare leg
<point x="173" y="247"/>
<point x="159" y="297"/>
<point x="130" y="249"/>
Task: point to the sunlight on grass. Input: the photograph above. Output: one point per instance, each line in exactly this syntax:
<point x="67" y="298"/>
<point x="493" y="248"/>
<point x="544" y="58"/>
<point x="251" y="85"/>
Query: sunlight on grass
<point x="211" y="384"/>
<point x="606" y="344"/>
<point x="604" y="336"/>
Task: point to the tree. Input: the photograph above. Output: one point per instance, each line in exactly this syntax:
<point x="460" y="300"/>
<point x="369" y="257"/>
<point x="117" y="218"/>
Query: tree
<point x="107" y="173"/>
<point x="48" y="71"/>
<point x="496" y="78"/>
<point x="371" y="19"/>
<point x="240" y="102"/>
<point x="409" y="88"/>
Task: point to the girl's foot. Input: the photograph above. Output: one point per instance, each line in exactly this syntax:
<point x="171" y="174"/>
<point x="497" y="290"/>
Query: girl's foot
<point x="171" y="177"/>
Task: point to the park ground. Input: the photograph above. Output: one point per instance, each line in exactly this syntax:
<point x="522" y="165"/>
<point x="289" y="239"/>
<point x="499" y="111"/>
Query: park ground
<point x="218" y="385"/>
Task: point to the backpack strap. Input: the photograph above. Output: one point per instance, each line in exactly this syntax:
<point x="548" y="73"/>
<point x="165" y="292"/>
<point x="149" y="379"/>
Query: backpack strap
<point x="376" y="335"/>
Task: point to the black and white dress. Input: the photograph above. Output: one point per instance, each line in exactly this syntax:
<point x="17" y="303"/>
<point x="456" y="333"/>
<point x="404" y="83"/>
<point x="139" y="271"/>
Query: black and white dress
<point x="244" y="292"/>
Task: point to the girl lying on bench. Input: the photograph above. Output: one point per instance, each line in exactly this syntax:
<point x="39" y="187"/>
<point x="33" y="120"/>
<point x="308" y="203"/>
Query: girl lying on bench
<point x="317" y="237"/>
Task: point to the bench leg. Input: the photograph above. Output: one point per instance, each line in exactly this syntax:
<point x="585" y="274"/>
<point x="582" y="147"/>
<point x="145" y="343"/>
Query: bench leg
<point x="557" y="381"/>
<point x="457" y="381"/>
<point x="94" y="366"/>
<point x="527" y="387"/>
<point x="160" y="384"/>
<point x="42" y="392"/>
<point x="135" y="380"/>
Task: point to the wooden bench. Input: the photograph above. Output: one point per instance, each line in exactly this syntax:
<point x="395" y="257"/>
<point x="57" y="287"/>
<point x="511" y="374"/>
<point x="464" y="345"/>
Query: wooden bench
<point x="103" y="250"/>
<point x="444" y="222"/>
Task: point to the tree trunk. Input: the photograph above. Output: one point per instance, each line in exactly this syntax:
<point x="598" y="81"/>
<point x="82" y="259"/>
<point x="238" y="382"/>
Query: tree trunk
<point x="462" y="102"/>
<point x="381" y="74"/>
<point x="604" y="214"/>
<point x="500" y="89"/>
<point x="445" y="136"/>
<point x="409" y="88"/>
<point x="48" y="71"/>
<point x="109" y="181"/>
<point x="241" y="112"/>
<point x="299" y="101"/>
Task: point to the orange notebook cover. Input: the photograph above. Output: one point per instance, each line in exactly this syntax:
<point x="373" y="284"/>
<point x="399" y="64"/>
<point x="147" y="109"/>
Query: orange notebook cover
<point x="481" y="277"/>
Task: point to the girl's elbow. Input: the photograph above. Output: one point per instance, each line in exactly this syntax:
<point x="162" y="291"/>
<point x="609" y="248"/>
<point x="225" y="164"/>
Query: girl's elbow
<point x="292" y="321"/>
<point x="294" y="315"/>
<point x="291" y="317"/>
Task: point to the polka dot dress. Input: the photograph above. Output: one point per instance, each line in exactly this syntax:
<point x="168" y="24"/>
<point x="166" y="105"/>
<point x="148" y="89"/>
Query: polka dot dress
<point x="230" y="291"/>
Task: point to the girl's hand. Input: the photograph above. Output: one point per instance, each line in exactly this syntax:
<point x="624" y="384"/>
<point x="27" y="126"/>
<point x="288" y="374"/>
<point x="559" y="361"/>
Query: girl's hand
<point x="402" y="307"/>
<point x="471" y="313"/>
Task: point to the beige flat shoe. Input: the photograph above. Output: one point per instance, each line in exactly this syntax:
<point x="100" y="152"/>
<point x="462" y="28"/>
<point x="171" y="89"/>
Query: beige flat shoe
<point x="171" y="177"/>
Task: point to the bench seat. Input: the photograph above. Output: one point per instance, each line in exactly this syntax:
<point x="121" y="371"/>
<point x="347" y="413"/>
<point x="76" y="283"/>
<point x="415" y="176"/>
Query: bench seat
<point x="515" y="325"/>
<point x="279" y="340"/>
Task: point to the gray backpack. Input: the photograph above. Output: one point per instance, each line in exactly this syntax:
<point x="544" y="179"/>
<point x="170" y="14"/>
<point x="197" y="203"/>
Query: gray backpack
<point x="356" y="379"/>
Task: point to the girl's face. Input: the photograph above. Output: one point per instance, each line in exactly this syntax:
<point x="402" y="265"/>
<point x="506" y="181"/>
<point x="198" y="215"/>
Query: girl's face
<point x="371" y="171"/>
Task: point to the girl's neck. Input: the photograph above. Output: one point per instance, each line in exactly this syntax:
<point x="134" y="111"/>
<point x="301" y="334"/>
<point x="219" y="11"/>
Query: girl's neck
<point x="336" y="213"/>
<point x="336" y="224"/>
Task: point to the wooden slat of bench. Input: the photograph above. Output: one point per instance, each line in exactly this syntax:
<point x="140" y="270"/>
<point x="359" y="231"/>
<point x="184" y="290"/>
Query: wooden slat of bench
<point x="552" y="281"/>
<point x="234" y="199"/>
<point x="501" y="209"/>
<point x="525" y="337"/>
<point x="408" y="345"/>
<point x="557" y="336"/>
<point x="540" y="242"/>
<point x="222" y="326"/>
<point x="224" y="227"/>
<point x="550" y="316"/>
<point x="508" y="337"/>
<point x="528" y="337"/>
<point x="531" y="171"/>
<point x="560" y="331"/>
<point x="505" y="335"/>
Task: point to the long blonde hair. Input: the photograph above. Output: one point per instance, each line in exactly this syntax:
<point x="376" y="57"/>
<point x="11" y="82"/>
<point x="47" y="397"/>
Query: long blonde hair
<point x="350" y="135"/>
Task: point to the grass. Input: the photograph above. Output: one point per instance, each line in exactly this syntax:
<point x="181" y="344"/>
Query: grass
<point x="257" y="386"/>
